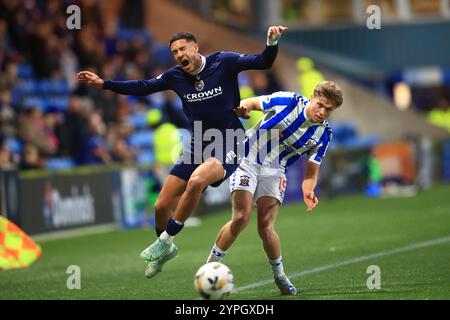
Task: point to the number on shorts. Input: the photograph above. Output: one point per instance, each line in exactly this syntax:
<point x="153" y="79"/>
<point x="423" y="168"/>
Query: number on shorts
<point x="282" y="184"/>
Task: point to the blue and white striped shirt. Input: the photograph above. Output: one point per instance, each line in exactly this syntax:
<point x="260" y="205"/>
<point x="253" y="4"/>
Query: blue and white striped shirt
<point x="285" y="133"/>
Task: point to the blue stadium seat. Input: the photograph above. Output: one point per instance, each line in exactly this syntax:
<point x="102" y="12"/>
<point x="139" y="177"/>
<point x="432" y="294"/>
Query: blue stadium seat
<point x="363" y="142"/>
<point x="60" y="87"/>
<point x="59" y="163"/>
<point x="138" y="120"/>
<point x="27" y="87"/>
<point x="14" y="145"/>
<point x="141" y="139"/>
<point x="25" y="71"/>
<point x="35" y="101"/>
<point x="162" y="54"/>
<point x="145" y="157"/>
<point x="43" y="86"/>
<point x="446" y="160"/>
<point x="130" y="34"/>
<point x="59" y="103"/>
<point x="343" y="132"/>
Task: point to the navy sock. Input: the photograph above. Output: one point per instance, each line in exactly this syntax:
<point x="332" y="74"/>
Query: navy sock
<point x="158" y="232"/>
<point x="173" y="228"/>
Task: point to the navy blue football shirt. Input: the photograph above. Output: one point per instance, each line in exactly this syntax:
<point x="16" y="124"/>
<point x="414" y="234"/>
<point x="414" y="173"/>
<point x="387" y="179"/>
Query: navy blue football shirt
<point x="209" y="96"/>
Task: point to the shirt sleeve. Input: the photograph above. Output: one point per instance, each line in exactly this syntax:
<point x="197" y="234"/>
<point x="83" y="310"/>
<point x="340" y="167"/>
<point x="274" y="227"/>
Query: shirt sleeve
<point x="276" y="101"/>
<point x="241" y="62"/>
<point x="318" y="153"/>
<point x="138" y="87"/>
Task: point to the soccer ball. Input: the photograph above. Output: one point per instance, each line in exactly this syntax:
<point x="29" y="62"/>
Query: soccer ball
<point x="214" y="281"/>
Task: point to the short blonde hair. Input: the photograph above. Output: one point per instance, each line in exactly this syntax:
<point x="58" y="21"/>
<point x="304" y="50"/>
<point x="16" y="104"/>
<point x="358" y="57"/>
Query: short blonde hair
<point x="331" y="91"/>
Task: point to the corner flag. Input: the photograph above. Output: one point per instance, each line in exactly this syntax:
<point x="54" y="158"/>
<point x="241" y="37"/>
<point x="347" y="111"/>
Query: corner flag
<point x="17" y="249"/>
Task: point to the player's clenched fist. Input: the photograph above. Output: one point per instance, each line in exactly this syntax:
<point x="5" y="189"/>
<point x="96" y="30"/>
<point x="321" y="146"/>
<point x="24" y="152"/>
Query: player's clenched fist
<point x="90" y="78"/>
<point x="274" y="34"/>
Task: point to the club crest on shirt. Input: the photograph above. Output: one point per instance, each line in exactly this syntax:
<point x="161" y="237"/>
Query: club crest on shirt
<point x="311" y="143"/>
<point x="244" y="181"/>
<point x="199" y="85"/>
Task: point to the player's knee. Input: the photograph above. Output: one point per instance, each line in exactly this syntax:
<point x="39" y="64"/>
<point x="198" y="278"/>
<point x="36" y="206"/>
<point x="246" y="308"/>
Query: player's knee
<point x="265" y="230"/>
<point x="240" y="220"/>
<point x="161" y="206"/>
<point x="196" y="184"/>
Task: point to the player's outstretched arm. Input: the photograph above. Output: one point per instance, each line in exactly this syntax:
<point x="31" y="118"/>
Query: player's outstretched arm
<point x="247" y="105"/>
<point x="265" y="59"/>
<point x="130" y="87"/>
<point x="308" y="185"/>
<point x="90" y="78"/>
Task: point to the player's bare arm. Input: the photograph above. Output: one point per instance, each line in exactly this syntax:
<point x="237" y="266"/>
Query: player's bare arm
<point x="247" y="105"/>
<point x="90" y="78"/>
<point x="308" y="185"/>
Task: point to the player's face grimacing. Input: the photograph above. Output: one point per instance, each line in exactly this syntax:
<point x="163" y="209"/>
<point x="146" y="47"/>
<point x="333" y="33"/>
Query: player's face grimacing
<point x="319" y="109"/>
<point x="186" y="55"/>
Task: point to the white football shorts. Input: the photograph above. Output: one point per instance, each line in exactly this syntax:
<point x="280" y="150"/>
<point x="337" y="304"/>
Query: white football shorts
<point x="259" y="181"/>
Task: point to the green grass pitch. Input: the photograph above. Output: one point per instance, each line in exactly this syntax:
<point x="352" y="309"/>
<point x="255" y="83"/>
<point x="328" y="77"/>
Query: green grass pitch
<point x="321" y="244"/>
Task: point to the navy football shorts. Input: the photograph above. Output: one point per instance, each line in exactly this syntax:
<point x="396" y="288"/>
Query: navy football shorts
<point x="184" y="171"/>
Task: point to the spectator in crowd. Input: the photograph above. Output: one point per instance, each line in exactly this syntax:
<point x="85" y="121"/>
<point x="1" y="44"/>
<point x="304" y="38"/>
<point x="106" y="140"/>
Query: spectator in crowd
<point x="9" y="78"/>
<point x="30" y="158"/>
<point x="5" y="157"/>
<point x="50" y="122"/>
<point x="264" y="82"/>
<point x="73" y="134"/>
<point x="97" y="150"/>
<point x="32" y="130"/>
<point x="43" y="47"/>
<point x="121" y="152"/>
<point x="7" y="115"/>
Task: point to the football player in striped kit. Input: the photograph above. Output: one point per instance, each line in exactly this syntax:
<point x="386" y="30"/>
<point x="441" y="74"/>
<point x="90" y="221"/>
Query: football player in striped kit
<point x="293" y="126"/>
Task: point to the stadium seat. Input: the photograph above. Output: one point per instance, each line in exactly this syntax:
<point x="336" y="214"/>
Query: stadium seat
<point x="446" y="160"/>
<point x="130" y="34"/>
<point x="14" y="145"/>
<point x="145" y="157"/>
<point x="27" y="87"/>
<point x="141" y="139"/>
<point x="362" y="142"/>
<point x="25" y="71"/>
<point x="42" y="86"/>
<point x="35" y="102"/>
<point x="138" y="120"/>
<point x="59" y="163"/>
<point x="343" y="132"/>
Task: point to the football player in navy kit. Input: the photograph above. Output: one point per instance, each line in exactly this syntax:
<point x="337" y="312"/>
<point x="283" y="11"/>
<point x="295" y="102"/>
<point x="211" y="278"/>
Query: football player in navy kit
<point x="208" y="88"/>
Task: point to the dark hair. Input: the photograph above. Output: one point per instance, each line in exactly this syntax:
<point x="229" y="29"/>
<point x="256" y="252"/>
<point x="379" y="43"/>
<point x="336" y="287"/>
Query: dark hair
<point x="183" y="35"/>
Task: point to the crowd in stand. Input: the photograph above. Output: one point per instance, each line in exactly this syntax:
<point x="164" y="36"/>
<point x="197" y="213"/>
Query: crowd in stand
<point x="48" y="120"/>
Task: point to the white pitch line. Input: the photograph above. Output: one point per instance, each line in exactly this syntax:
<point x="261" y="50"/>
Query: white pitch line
<point x="350" y="261"/>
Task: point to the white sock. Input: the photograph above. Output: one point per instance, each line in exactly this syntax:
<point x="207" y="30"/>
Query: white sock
<point x="277" y="267"/>
<point x="167" y="238"/>
<point x="216" y="254"/>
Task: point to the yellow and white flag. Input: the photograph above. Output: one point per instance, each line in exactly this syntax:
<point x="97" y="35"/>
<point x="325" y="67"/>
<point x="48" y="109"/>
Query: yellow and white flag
<point x="17" y="249"/>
